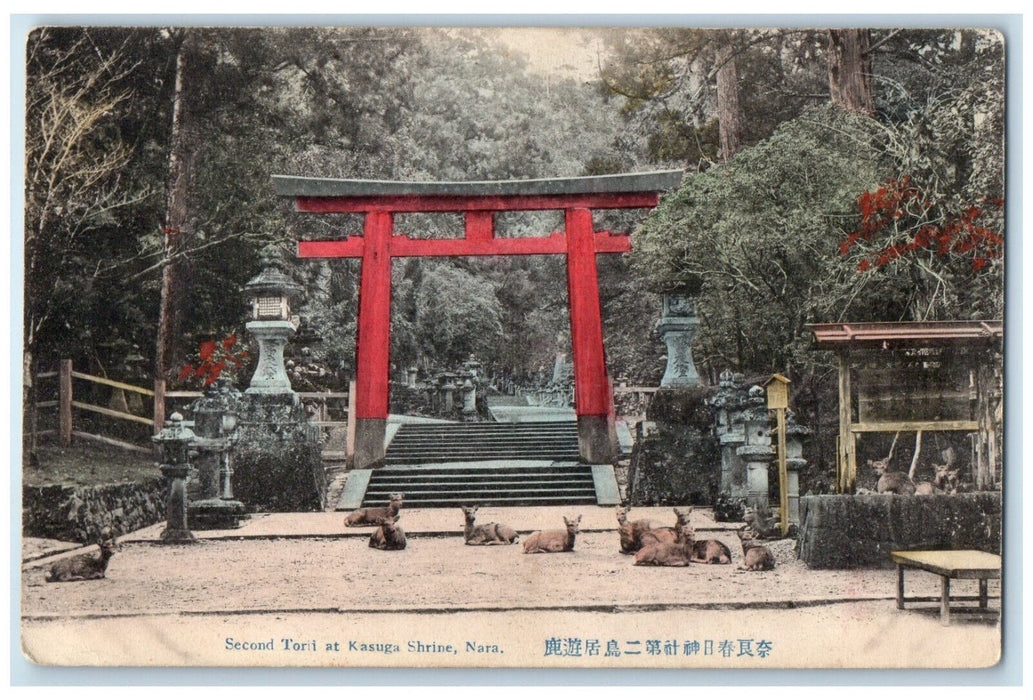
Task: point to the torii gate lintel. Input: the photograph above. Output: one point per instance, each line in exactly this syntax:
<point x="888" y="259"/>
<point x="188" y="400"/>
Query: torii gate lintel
<point x="379" y="201"/>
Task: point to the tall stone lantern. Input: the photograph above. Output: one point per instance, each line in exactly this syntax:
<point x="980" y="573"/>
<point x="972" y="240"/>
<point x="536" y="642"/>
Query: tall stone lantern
<point x="174" y="443"/>
<point x="678" y="327"/>
<point x="269" y="295"/>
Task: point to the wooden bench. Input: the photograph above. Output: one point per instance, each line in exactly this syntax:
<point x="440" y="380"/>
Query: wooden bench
<point x="948" y="564"/>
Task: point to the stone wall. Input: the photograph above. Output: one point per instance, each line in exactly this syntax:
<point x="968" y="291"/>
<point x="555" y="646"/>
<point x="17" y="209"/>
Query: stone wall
<point x="79" y="513"/>
<point x="839" y="532"/>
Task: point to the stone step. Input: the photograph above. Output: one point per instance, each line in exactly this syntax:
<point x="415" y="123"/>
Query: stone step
<point x="483" y="478"/>
<point x="495" y="500"/>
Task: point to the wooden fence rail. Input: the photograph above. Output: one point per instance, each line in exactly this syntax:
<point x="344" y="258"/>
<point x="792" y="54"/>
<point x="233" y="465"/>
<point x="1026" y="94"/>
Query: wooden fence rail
<point x="66" y="402"/>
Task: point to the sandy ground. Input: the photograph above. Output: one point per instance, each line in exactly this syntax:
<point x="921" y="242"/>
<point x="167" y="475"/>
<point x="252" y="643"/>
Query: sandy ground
<point x="177" y="605"/>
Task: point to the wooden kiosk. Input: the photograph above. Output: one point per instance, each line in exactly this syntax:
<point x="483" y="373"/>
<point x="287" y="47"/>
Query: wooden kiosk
<point x="914" y="377"/>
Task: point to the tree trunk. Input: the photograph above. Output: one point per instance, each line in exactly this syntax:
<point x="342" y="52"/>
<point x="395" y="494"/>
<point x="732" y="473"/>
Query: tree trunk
<point x="178" y="234"/>
<point x="850" y="70"/>
<point x="730" y="118"/>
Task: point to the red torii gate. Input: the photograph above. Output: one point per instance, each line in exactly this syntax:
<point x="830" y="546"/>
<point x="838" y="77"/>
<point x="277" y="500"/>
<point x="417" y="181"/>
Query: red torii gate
<point x="380" y="200"/>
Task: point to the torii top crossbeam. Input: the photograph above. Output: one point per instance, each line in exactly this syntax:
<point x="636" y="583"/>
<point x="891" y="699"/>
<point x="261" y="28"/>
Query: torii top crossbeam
<point x="380" y="200"/>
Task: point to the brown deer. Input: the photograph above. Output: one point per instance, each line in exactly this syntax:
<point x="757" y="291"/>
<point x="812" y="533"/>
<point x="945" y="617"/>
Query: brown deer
<point x="364" y="517"/>
<point x="549" y="541"/>
<point x="666" y="535"/>
<point x="956" y="484"/>
<point x="631" y="531"/>
<point x="677" y="553"/>
<point x="764" y="525"/>
<point x="388" y="536"/>
<point x="711" y="552"/>
<point x="756" y="557"/>
<point x="84" y="567"/>
<point x="891" y="482"/>
<point x="942" y="477"/>
<point x="489" y="533"/>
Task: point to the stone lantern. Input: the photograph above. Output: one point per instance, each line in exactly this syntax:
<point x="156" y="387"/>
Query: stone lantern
<point x="677" y="328"/>
<point x="216" y="415"/>
<point x="269" y="295"/>
<point x="744" y="433"/>
<point x="174" y="442"/>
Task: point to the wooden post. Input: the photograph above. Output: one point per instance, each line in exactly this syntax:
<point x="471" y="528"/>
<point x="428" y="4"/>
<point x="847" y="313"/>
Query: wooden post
<point x="65" y="402"/>
<point x="778" y="401"/>
<point x="783" y="473"/>
<point x="847" y="442"/>
<point x="159" y="405"/>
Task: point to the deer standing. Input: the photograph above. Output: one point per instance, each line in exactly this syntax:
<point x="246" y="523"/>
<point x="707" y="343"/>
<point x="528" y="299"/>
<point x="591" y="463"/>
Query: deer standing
<point x="549" y="541"/>
<point x="486" y="534"/>
<point x="84" y="567"/>
<point x="388" y="536"/>
<point x="375" y="516"/>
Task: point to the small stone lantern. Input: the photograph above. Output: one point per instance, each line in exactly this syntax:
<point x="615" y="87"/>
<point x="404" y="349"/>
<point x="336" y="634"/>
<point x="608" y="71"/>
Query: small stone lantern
<point x="174" y="443"/>
<point x="269" y="296"/>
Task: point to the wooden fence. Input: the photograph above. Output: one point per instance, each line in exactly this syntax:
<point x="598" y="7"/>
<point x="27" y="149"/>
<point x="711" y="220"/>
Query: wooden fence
<point x="158" y="398"/>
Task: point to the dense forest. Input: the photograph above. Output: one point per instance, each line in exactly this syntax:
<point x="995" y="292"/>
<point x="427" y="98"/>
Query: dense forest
<point x="831" y="175"/>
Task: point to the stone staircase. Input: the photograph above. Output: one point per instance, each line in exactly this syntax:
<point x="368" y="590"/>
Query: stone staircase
<point x="434" y="443"/>
<point x="490" y="464"/>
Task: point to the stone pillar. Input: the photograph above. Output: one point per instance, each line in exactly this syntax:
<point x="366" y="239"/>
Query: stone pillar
<point x="757" y="459"/>
<point x="793" y="470"/>
<point x="795" y="434"/>
<point x="469" y="400"/>
<point x="678" y="327"/>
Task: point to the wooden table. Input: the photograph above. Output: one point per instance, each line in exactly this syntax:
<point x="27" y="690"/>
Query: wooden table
<point x="948" y="564"/>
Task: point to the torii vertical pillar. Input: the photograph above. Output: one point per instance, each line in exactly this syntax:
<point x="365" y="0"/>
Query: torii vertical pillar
<point x="374" y="340"/>
<point x="591" y="388"/>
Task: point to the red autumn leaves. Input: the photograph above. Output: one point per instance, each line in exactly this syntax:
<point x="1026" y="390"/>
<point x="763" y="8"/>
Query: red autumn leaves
<point x="213" y="359"/>
<point x="900" y="212"/>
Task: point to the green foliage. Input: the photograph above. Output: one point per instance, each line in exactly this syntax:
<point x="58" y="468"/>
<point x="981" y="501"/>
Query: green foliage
<point x="755" y="238"/>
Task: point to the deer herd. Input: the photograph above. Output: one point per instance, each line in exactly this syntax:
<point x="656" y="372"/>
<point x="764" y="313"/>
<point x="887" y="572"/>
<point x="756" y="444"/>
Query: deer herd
<point x="653" y="544"/>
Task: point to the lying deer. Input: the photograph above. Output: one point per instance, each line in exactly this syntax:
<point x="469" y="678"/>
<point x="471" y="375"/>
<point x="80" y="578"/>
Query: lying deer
<point x="711" y="552"/>
<point x="375" y="516"/>
<point x="631" y="531"/>
<point x="891" y="482"/>
<point x="666" y="535"/>
<point x="489" y="533"/>
<point x="677" y="553"/>
<point x="84" y="567"/>
<point x="388" y="535"/>
<point x="956" y="484"/>
<point x="756" y="557"/>
<point x="548" y="541"/>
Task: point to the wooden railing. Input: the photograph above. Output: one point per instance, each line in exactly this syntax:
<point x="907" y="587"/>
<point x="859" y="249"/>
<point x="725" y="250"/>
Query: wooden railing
<point x="66" y="404"/>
